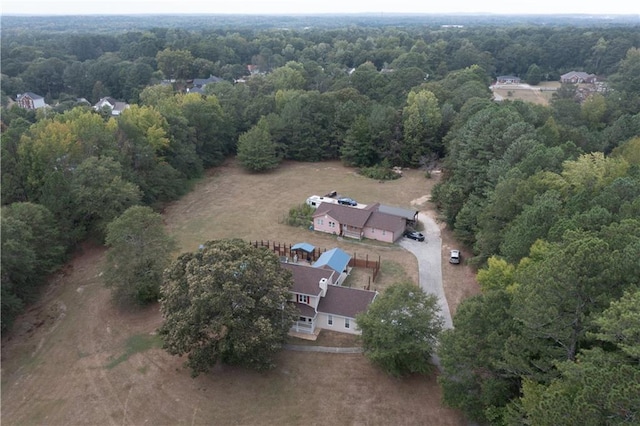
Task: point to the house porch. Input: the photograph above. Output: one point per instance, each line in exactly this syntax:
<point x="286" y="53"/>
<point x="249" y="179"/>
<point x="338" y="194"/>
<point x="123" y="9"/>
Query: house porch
<point x="306" y="336"/>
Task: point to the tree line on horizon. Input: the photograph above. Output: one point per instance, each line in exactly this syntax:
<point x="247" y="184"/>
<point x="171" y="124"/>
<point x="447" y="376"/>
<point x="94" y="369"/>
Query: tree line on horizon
<point x="546" y="197"/>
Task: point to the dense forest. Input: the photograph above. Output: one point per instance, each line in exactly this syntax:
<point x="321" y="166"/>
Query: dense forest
<point x="546" y="197"/>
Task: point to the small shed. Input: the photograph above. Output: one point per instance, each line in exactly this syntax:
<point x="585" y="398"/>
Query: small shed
<point x="305" y="247"/>
<point x="303" y="251"/>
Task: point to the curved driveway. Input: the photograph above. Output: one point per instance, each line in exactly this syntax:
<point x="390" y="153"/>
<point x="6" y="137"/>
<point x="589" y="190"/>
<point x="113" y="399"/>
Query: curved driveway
<point x="429" y="255"/>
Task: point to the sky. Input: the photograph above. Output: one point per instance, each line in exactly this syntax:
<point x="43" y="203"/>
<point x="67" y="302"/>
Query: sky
<point x="279" y="7"/>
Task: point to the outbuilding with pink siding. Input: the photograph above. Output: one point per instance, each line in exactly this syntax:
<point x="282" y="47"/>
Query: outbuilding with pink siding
<point x="370" y="222"/>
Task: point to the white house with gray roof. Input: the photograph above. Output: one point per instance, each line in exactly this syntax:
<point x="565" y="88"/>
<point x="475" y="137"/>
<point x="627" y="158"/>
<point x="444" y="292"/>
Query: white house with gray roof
<point x="200" y="83"/>
<point x="29" y="100"/>
<point x="322" y="303"/>
<point x="115" y="107"/>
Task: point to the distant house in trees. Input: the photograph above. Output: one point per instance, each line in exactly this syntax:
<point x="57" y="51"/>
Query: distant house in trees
<point x="575" y="77"/>
<point x="29" y="100"/>
<point x="116" y="107"/>
<point x="200" y="83"/>
<point x="322" y="303"/>
<point x="508" y="79"/>
<point x="253" y="69"/>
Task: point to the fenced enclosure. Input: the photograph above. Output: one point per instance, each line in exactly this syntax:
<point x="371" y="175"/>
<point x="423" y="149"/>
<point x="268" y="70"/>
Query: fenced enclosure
<point x="285" y="250"/>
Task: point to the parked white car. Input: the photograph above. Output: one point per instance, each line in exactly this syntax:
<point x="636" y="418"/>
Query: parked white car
<point x="454" y="257"/>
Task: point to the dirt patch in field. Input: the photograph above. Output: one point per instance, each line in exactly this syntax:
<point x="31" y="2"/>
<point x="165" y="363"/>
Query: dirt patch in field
<point x="68" y="361"/>
<point x="540" y="94"/>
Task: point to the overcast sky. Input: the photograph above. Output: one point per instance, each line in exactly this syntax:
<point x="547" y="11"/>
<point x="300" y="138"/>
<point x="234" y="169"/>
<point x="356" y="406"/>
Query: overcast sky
<point x="103" y="7"/>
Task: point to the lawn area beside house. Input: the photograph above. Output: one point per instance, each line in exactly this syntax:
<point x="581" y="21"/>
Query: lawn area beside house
<point x="231" y="202"/>
<point x="74" y="358"/>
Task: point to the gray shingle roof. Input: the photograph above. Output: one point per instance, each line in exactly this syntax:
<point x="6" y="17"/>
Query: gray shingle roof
<point x="385" y="221"/>
<point x="372" y="215"/>
<point x="346" y="215"/>
<point x="199" y="82"/>
<point x="345" y="301"/>
<point x="306" y="278"/>
<point x="398" y="211"/>
<point x="305" y="310"/>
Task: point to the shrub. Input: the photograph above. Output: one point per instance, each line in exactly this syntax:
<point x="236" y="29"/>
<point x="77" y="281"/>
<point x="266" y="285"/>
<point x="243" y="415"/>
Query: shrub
<point x="300" y="216"/>
<point x="379" y="172"/>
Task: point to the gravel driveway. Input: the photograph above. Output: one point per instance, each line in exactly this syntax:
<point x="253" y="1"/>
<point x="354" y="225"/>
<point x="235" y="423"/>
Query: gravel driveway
<point x="429" y="255"/>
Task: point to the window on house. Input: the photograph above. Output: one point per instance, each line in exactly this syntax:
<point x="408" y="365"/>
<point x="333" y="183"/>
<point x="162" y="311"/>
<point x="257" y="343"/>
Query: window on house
<point x="347" y="323"/>
<point x="330" y="320"/>
<point x="303" y="299"/>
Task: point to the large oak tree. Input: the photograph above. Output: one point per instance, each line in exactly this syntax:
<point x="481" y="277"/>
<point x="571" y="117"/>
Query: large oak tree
<point x="226" y="303"/>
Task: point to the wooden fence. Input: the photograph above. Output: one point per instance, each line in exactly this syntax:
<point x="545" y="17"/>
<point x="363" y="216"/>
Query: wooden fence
<point x="284" y="249"/>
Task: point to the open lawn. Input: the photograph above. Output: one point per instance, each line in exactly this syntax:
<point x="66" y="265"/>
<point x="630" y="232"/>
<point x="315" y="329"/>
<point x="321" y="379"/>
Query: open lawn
<point x="540" y="94"/>
<point x="75" y="359"/>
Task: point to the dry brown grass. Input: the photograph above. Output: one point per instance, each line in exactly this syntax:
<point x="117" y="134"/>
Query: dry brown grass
<point x="536" y="94"/>
<point x="234" y="203"/>
<point x="56" y="362"/>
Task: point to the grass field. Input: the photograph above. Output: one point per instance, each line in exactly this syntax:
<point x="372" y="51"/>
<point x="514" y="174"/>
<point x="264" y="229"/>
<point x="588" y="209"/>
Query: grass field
<point x="75" y="359"/>
<point x="540" y="94"/>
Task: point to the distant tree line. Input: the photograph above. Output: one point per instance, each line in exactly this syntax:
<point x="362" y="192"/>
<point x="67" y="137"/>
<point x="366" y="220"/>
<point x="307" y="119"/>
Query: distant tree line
<point x="64" y="65"/>
<point x="546" y="197"/>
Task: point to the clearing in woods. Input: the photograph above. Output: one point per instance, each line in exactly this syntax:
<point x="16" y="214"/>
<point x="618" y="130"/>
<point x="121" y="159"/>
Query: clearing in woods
<point x="540" y="94"/>
<point x="73" y="358"/>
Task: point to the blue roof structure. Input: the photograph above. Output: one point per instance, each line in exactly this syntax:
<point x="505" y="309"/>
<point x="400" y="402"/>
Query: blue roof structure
<point x="304" y="247"/>
<point x="335" y="258"/>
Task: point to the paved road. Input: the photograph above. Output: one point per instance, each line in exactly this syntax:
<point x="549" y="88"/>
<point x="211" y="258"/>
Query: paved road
<point x="429" y="255"/>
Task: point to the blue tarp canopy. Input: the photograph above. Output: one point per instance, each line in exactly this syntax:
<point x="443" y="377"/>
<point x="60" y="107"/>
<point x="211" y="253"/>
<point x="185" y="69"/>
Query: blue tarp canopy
<point x="306" y="247"/>
<point x="335" y="258"/>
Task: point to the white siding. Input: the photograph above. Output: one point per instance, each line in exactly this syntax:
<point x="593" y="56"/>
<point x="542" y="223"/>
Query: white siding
<point x="322" y="321"/>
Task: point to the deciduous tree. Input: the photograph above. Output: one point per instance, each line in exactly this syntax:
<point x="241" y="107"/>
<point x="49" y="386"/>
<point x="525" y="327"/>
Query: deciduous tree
<point x="31" y="249"/>
<point x="400" y="329"/>
<point x="101" y="194"/>
<point x="175" y="63"/>
<point x="226" y="303"/>
<point x="422" y="119"/>
<point x="139" y="251"/>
